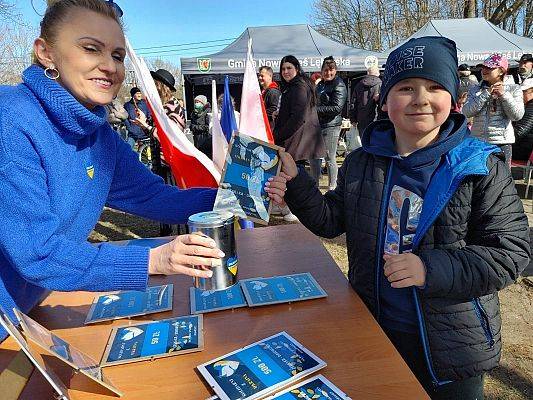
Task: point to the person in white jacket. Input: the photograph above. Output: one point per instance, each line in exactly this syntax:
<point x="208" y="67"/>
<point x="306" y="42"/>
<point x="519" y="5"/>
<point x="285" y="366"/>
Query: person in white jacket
<point x="494" y="104"/>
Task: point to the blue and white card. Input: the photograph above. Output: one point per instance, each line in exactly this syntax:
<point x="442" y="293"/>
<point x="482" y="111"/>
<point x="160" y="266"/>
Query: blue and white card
<point x="155" y="339"/>
<point x="130" y="303"/>
<point x="315" y="388"/>
<point x="204" y="301"/>
<point x="260" y="368"/>
<point x="281" y="289"/>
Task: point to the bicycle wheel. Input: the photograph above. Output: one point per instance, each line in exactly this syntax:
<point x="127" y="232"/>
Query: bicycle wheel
<point x="145" y="155"/>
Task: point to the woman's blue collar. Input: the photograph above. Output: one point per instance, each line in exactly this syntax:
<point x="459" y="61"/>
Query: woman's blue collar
<point x="67" y="113"/>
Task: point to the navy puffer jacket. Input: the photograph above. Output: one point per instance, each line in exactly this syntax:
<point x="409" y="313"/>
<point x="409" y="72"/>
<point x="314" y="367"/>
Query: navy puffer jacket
<point x="473" y="238"/>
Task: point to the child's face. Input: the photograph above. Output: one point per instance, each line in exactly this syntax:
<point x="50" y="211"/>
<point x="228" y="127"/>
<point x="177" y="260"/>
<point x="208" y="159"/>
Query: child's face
<point x="417" y="107"/>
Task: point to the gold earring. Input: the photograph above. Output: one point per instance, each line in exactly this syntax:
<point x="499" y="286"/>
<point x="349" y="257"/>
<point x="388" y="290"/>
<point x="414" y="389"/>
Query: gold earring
<point x="51" y="72"/>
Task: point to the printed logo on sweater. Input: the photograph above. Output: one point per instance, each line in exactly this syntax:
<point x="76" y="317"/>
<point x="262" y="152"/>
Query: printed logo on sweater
<point x="90" y="171"/>
<point x="403" y="216"/>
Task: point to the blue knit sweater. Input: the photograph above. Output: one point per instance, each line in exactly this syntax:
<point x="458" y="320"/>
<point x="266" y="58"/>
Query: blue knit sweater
<point x="60" y="163"/>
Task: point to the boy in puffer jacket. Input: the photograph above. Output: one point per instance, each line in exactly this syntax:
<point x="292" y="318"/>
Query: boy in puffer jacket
<point x="434" y="226"/>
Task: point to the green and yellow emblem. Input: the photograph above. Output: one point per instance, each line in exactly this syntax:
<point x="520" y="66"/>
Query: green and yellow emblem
<point x="204" y="64"/>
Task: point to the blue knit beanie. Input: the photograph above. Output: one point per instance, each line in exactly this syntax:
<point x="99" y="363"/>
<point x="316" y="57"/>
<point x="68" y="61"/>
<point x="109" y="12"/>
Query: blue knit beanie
<point x="429" y="57"/>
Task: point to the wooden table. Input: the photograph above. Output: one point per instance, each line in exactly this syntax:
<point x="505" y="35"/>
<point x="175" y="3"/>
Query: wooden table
<point x="339" y="329"/>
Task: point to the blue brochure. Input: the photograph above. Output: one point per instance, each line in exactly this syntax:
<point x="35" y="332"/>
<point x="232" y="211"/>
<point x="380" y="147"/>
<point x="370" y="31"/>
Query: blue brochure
<point x="204" y="301"/>
<point x="281" y="289"/>
<point x="249" y="164"/>
<point x="130" y="303"/>
<point x="156" y="339"/>
<point x="260" y="368"/>
<point x="315" y="388"/>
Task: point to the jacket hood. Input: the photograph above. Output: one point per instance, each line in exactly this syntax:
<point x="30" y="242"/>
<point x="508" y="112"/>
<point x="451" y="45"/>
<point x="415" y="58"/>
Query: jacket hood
<point x="380" y="140"/>
<point x="371" y="80"/>
<point x="69" y="115"/>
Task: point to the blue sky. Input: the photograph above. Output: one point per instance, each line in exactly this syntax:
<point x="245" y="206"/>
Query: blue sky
<point x="162" y="23"/>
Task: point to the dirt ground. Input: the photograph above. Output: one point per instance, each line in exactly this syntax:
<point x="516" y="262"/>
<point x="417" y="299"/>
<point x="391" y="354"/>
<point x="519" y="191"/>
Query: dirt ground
<point x="512" y="380"/>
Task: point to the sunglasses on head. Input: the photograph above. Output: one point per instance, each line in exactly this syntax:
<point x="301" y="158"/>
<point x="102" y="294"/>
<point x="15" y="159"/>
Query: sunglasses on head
<point x="116" y="7"/>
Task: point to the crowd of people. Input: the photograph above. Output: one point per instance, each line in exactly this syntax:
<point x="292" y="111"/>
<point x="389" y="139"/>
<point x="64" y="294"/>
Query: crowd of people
<point x="434" y="226"/>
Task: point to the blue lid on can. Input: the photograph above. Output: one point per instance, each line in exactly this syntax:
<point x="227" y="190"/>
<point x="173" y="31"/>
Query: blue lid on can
<point x="211" y="218"/>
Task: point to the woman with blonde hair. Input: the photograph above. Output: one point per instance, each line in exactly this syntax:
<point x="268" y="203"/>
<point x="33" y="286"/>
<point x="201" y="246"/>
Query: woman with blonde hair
<point x="61" y="162"/>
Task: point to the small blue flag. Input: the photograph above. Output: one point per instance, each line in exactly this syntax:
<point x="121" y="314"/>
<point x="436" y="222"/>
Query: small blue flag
<point x="227" y="115"/>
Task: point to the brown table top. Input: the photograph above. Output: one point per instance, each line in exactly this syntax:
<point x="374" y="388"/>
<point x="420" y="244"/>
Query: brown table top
<point x="339" y="329"/>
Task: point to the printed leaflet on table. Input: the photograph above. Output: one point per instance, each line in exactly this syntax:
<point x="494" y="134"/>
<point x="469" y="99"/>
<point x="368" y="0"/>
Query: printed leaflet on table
<point x="281" y="289"/>
<point x="155" y="339"/>
<point x="204" y="301"/>
<point x="260" y="368"/>
<point x="130" y="303"/>
<point x="315" y="388"/>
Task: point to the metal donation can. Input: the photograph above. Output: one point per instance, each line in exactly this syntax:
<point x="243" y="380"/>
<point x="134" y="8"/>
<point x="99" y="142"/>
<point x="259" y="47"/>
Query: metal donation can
<point x="220" y="226"/>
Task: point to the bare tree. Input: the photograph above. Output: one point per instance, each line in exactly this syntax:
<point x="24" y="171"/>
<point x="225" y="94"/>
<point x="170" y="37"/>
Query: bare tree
<point x="15" y="52"/>
<point x="8" y="12"/>
<point x="381" y="24"/>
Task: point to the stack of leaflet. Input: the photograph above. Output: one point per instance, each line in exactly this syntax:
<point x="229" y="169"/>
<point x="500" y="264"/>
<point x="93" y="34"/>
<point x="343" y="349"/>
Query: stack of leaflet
<point x="261" y="368"/>
<point x="257" y="292"/>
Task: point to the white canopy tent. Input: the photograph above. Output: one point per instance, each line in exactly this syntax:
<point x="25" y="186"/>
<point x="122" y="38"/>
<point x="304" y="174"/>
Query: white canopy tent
<point x="476" y="39"/>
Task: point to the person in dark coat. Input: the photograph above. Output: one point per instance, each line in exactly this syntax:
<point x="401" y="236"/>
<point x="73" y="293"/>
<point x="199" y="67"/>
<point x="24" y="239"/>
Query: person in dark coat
<point x="137" y="109"/>
<point x="270" y="93"/>
<point x="297" y="128"/>
<point x="523" y="129"/>
<point x="331" y="96"/>
<point x="434" y="225"/>
<point x="365" y="100"/>
<point x="200" y="126"/>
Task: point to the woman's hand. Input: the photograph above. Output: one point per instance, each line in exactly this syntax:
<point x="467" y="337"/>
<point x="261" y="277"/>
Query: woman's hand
<point x="184" y="252"/>
<point x="288" y="166"/>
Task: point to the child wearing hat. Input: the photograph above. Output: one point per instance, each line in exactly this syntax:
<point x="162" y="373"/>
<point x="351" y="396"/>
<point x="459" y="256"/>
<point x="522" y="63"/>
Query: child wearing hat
<point x="494" y="105"/>
<point x="434" y="226"/>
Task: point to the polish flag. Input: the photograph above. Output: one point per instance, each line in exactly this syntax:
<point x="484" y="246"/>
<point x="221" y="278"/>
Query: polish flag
<point x="254" y="120"/>
<point x="190" y="167"/>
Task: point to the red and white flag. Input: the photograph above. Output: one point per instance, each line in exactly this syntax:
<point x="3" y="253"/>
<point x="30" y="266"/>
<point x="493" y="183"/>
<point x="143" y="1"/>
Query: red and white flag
<point x="190" y="167"/>
<point x="254" y="120"/>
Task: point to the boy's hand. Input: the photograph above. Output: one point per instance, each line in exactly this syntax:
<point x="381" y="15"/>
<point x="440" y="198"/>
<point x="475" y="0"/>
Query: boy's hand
<point x="288" y="166"/>
<point x="404" y="270"/>
<point x="276" y="187"/>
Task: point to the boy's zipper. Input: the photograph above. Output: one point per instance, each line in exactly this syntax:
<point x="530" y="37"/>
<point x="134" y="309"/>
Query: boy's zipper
<point x="421" y="230"/>
<point x="484" y="320"/>
<point x="425" y="342"/>
<point x="381" y="229"/>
